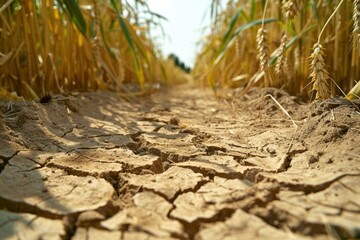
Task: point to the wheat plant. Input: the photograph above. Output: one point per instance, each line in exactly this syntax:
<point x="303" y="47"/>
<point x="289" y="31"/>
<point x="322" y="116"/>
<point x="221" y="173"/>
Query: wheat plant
<point x="78" y="45"/>
<point x="285" y="37"/>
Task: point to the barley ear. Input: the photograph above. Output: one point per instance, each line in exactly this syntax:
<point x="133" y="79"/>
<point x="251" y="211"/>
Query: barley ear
<point x="319" y="75"/>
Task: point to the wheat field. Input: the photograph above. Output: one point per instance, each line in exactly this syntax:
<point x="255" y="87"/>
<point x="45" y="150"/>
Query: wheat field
<point x="309" y="48"/>
<point x="67" y="45"/>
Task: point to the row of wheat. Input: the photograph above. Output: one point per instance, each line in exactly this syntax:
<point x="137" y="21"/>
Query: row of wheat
<point x="68" y="45"/>
<point x="310" y="48"/>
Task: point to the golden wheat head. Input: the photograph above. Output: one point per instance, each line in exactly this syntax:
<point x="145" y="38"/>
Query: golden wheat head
<point x="356" y="24"/>
<point x="262" y="48"/>
<point x="289" y="8"/>
<point x="319" y="74"/>
<point x="281" y="58"/>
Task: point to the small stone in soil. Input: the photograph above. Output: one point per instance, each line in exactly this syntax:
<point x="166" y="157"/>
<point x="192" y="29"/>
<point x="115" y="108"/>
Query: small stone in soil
<point x="174" y="121"/>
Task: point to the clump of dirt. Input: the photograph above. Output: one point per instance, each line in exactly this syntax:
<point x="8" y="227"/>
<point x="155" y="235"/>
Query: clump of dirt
<point x="180" y="165"/>
<point x="329" y="122"/>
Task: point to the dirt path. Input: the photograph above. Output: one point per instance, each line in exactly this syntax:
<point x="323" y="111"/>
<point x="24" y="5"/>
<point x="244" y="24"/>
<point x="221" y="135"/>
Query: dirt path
<point x="180" y="166"/>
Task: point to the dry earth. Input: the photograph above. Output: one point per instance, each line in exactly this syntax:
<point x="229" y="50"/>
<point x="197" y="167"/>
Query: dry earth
<point x="182" y="165"/>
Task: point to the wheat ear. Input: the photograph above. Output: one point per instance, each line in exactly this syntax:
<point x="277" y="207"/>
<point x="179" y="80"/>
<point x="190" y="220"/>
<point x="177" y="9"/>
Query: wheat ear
<point x="289" y="8"/>
<point x="262" y="47"/>
<point x="319" y="74"/>
<point x="356" y="19"/>
<point x="281" y="57"/>
<point x="96" y="44"/>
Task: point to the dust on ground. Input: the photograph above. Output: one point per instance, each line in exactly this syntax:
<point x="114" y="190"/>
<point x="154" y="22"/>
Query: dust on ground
<point x="180" y="165"/>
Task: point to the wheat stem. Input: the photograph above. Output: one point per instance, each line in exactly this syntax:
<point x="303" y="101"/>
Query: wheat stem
<point x="327" y="22"/>
<point x="264" y="13"/>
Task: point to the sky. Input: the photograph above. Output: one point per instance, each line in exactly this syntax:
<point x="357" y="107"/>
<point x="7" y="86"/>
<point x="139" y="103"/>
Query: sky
<point x="186" y="19"/>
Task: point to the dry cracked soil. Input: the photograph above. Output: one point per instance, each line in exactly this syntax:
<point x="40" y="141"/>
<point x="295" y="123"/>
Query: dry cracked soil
<point x="180" y="165"/>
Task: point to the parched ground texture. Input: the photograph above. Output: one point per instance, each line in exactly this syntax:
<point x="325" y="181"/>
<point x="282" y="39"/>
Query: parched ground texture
<point x="179" y="165"/>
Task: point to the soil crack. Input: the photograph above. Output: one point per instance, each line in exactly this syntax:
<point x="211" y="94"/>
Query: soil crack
<point x="5" y="160"/>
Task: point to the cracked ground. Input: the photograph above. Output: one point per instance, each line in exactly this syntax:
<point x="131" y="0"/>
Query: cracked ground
<point x="179" y="165"/>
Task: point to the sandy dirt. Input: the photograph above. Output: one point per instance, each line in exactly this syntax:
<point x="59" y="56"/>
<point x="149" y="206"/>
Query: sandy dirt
<point x="181" y="165"/>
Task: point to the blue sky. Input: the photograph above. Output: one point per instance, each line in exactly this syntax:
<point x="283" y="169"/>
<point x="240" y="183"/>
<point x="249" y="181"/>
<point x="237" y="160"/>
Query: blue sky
<point x="186" y="18"/>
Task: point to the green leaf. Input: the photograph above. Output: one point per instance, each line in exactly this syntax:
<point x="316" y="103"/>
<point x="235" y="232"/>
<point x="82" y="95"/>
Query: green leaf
<point x="313" y="6"/>
<point x="245" y="16"/>
<point x="71" y="7"/>
<point x="252" y="24"/>
<point x="231" y="26"/>
<point x="291" y="42"/>
<point x="106" y="45"/>
<point x="212" y="11"/>
<point x="230" y="29"/>
<point x="222" y="51"/>
<point x="157" y="15"/>
<point x="129" y="39"/>
<point x="263" y="2"/>
<point x="253" y="9"/>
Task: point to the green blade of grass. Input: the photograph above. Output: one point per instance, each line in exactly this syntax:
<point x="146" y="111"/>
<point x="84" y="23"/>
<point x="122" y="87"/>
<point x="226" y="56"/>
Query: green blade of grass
<point x="222" y="50"/>
<point x="227" y="35"/>
<point x="157" y="15"/>
<point x="252" y="24"/>
<point x="106" y="45"/>
<point x="253" y="8"/>
<point x="291" y="42"/>
<point x="231" y="25"/>
<point x="212" y="11"/>
<point x="313" y="6"/>
<point x="245" y="16"/>
<point x="129" y="39"/>
<point x="71" y="7"/>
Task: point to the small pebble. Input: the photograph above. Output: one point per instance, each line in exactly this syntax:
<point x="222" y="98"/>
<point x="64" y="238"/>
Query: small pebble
<point x="174" y="121"/>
